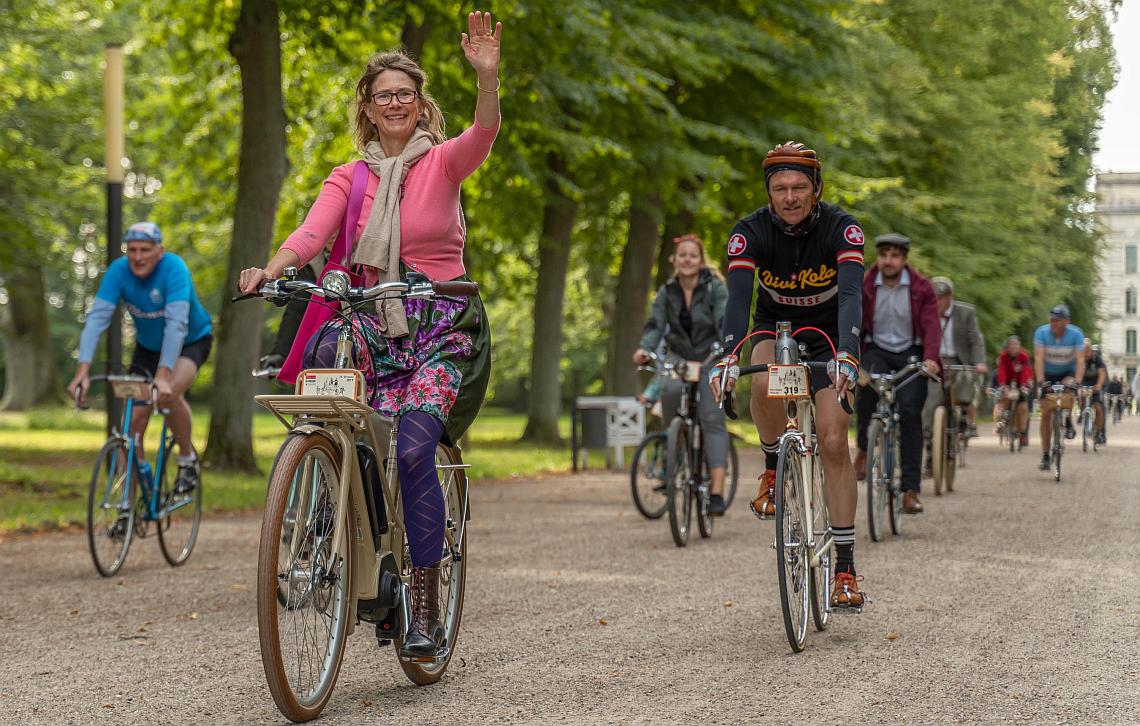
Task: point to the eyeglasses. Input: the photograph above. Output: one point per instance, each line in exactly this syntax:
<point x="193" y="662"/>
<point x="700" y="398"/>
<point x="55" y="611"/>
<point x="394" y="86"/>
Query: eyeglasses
<point x="384" y="98"/>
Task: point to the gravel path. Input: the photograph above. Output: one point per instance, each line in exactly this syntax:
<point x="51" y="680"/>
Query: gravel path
<point x="1008" y="600"/>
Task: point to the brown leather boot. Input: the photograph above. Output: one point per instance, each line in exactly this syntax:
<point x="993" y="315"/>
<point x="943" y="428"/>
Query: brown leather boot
<point x="764" y="505"/>
<point x="845" y="591"/>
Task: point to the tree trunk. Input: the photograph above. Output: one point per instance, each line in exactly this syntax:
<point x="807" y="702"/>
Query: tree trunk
<point x="262" y="165"/>
<point x="545" y="400"/>
<point x="29" y="364"/>
<point x="630" y="303"/>
<point x="677" y="223"/>
<point x="412" y="36"/>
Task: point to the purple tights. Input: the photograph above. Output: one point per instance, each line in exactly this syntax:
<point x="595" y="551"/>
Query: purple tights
<point x="424" y="514"/>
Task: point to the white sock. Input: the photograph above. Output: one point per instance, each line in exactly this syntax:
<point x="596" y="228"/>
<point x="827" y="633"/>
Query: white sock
<point x="187" y="460"/>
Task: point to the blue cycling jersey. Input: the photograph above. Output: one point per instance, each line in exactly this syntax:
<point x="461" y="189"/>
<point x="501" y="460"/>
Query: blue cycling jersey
<point x="164" y="307"/>
<point x="1060" y="353"/>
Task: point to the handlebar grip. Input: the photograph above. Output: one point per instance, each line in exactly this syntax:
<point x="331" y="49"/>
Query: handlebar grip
<point x="246" y="296"/>
<point x="729" y="406"/>
<point x="455" y="288"/>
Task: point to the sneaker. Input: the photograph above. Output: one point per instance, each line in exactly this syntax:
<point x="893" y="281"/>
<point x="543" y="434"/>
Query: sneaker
<point x="1070" y="432"/>
<point x="845" y="593"/>
<point x="1101" y="440"/>
<point x="1044" y="465"/>
<point x="717" y="505"/>
<point x="972" y="431"/>
<point x="764" y="505"/>
<point x="187" y="480"/>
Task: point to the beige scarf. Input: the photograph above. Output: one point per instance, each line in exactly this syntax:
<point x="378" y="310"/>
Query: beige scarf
<point x="379" y="244"/>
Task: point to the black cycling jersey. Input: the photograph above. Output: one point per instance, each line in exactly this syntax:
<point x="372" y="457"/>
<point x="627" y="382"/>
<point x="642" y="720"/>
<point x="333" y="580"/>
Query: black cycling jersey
<point x="1092" y="370"/>
<point x="814" y="280"/>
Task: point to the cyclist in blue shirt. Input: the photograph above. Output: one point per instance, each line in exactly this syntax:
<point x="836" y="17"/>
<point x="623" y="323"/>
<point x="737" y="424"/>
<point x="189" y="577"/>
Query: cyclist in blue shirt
<point x="1058" y="357"/>
<point x="172" y="334"/>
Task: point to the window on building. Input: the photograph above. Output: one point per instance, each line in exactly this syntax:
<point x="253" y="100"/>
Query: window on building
<point x="1130" y="301"/>
<point x="1129" y="374"/>
<point x="1130" y="341"/>
<point x="1130" y="259"/>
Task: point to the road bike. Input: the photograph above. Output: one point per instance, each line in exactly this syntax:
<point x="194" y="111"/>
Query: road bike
<point x="1061" y="395"/>
<point x="804" y="542"/>
<point x="333" y="546"/>
<point x="950" y="435"/>
<point x="884" y="461"/>
<point x="1087" y="419"/>
<point x="1008" y="398"/>
<point x="128" y="493"/>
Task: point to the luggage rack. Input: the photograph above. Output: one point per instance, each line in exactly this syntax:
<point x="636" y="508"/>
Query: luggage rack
<point x="289" y="409"/>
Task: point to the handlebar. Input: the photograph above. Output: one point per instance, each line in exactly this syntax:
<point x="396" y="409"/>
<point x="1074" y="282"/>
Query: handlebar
<point x="727" y="398"/>
<point x="335" y="285"/>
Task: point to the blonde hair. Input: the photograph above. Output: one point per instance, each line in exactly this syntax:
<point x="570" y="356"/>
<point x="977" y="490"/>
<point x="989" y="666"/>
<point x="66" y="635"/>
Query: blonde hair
<point x="394" y="60"/>
<point x="678" y="241"/>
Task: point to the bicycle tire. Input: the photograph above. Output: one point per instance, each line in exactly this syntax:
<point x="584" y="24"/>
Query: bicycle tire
<point x="175" y="547"/>
<point x="453" y="572"/>
<point x="894" y="485"/>
<point x="793" y="563"/>
<point x="732" y="476"/>
<point x="649" y="466"/>
<point x="824" y="573"/>
<point x="875" y="478"/>
<point x="1058" y="445"/>
<point x="937" y="444"/>
<point x="309" y="462"/>
<point x="950" y="465"/>
<point x="678" y="487"/>
<point x="109" y="541"/>
<point x="1086" y="429"/>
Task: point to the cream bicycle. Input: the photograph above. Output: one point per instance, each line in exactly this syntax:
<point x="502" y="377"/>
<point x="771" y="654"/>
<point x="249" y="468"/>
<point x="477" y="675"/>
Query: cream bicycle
<point x="333" y="547"/>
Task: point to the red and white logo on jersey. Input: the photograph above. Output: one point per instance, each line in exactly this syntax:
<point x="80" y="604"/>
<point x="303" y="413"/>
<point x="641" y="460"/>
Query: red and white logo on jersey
<point x="854" y="235"/>
<point x="736" y="245"/>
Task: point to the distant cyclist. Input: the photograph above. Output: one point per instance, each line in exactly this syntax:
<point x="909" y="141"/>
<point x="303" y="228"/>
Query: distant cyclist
<point x="1015" y="370"/>
<point x="172" y="334"/>
<point x="1058" y="357"/>
<point x="1096" y="372"/>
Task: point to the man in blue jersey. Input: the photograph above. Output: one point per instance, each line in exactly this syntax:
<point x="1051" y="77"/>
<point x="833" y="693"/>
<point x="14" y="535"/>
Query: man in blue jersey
<point x="172" y="334"/>
<point x="1058" y="357"/>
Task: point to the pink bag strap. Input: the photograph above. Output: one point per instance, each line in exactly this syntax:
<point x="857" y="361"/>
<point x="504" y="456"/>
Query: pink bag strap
<point x="342" y="248"/>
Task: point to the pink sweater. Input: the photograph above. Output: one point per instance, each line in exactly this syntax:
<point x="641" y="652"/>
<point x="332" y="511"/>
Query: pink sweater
<point x="431" y="226"/>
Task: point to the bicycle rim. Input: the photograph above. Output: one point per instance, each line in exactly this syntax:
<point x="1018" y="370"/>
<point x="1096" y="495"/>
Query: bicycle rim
<point x="302" y="641"/>
<point x="647" y="473"/>
<point x="179" y="515"/>
<point x="453" y="565"/>
<point x="876" y="481"/>
<point x="792" y="558"/>
<point x="680" y="499"/>
<point x="824" y="572"/>
<point x="110" y="509"/>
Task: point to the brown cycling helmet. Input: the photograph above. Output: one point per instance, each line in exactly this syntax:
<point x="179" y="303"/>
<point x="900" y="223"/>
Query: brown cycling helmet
<point x="794" y="156"/>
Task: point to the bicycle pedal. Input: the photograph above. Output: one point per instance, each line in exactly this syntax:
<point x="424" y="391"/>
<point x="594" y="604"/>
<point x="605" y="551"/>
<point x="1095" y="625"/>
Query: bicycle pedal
<point x="440" y="656"/>
<point x="383" y="642"/>
<point x="759" y="515"/>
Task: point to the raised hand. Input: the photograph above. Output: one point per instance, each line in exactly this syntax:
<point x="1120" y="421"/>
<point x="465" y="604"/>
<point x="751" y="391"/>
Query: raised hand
<point x="481" y="43"/>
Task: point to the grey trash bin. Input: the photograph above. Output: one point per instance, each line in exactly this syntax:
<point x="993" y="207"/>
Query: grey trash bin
<point x="594" y="423"/>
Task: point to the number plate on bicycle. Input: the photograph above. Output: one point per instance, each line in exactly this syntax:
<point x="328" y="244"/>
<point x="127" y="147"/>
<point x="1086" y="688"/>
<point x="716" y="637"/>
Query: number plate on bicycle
<point x="787" y="381"/>
<point x="331" y="382"/>
<point x="135" y="390"/>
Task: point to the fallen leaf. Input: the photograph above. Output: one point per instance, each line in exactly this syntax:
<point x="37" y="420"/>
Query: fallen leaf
<point x="893" y="635"/>
<point x="366" y="702"/>
<point x="193" y="616"/>
<point x="74" y="612"/>
<point x="728" y="603"/>
<point x="108" y="705"/>
<point x="602" y="621"/>
<point x="239" y="586"/>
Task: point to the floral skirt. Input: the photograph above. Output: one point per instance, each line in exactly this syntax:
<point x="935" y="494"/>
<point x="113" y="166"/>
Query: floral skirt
<point x="442" y="366"/>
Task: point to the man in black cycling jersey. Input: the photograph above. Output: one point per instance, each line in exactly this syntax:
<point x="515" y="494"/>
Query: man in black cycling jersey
<point x="1096" y="372"/>
<point x="806" y="259"/>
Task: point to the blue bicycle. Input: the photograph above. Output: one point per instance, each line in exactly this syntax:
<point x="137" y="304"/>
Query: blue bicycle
<point x="127" y="493"/>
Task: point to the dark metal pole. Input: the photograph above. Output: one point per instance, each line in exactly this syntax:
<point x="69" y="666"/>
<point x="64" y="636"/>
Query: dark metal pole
<point x="113" y="116"/>
<point x="574" y="421"/>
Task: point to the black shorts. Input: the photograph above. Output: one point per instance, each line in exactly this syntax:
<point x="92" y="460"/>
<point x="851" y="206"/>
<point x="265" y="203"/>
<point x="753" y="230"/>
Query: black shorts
<point x="198" y="351"/>
<point x="816" y="345"/>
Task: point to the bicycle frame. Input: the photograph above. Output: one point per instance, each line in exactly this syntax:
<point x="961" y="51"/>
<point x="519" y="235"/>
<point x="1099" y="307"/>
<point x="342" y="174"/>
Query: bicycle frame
<point x="150" y="490"/>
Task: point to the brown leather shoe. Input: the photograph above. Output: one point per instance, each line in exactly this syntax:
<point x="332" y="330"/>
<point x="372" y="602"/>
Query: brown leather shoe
<point x="845" y="592"/>
<point x="860" y="465"/>
<point x="911" y="504"/>
<point x="764" y="505"/>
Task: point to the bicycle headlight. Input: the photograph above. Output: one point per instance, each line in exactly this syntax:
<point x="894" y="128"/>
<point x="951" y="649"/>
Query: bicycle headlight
<point x="336" y="282"/>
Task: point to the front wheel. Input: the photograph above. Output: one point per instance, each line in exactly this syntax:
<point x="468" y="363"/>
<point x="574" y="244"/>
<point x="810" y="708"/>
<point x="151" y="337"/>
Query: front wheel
<point x="731" y="474"/>
<point x="302" y="555"/>
<point x="895" y="486"/>
<point x="179" y="515"/>
<point x="877" y="480"/>
<point x="793" y="557"/>
<point x="647" y="475"/>
<point x="678" y="483"/>
<point x="110" y="508"/>
<point x="1087" y="433"/>
<point x="937" y="448"/>
<point x="822" y="574"/>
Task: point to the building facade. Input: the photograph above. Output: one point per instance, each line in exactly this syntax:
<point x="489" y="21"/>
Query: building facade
<point x="1118" y="210"/>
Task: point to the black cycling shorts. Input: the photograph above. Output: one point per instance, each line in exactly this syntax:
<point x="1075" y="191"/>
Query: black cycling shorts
<point x="198" y="351"/>
<point x="817" y="346"/>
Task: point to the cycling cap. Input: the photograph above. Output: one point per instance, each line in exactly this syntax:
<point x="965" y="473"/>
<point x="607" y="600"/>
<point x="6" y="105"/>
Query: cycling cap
<point x="893" y="239"/>
<point x="147" y="231"/>
<point x="942" y="285"/>
<point x="1060" y="311"/>
<point x="794" y="156"/>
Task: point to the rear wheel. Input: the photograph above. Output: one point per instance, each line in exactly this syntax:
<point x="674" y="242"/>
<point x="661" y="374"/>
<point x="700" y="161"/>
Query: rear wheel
<point x="678" y="480"/>
<point x="938" y="448"/>
<point x="647" y="475"/>
<point x="877" y="480"/>
<point x="894" y="484"/>
<point x="110" y="508"/>
<point x="179" y="514"/>
<point x="452" y="568"/>
<point x="793" y="561"/>
<point x="302" y="642"/>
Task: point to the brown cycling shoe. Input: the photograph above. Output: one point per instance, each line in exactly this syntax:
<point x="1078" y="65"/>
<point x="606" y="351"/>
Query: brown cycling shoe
<point x="860" y="464"/>
<point x="911" y="504"/>
<point x="845" y="593"/>
<point x="764" y="505"/>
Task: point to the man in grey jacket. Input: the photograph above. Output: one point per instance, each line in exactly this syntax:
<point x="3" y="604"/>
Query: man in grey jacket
<point x="962" y="344"/>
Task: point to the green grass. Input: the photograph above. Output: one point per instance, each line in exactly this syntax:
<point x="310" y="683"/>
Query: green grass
<point x="46" y="458"/>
